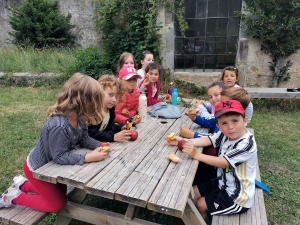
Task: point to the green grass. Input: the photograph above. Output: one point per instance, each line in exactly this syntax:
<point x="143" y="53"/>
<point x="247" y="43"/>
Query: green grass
<point x="35" y="60"/>
<point x="22" y="113"/>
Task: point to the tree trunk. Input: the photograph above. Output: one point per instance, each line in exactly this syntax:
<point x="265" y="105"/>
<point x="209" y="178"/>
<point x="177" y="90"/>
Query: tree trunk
<point x="279" y="65"/>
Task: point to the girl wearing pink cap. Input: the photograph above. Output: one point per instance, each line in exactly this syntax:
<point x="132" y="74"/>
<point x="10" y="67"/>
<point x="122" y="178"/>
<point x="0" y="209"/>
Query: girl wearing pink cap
<point x="129" y="104"/>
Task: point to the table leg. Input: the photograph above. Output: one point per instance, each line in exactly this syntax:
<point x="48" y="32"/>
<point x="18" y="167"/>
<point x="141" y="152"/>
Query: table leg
<point x="191" y="215"/>
<point x="78" y="196"/>
<point x="131" y="212"/>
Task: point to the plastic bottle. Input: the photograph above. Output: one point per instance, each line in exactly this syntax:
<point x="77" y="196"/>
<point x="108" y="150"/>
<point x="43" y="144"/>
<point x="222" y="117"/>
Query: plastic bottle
<point x="170" y="90"/>
<point x="174" y="96"/>
<point x="143" y="106"/>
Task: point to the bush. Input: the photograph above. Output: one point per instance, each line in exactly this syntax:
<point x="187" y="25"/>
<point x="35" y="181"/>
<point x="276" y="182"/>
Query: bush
<point x="90" y="61"/>
<point x="40" y="24"/>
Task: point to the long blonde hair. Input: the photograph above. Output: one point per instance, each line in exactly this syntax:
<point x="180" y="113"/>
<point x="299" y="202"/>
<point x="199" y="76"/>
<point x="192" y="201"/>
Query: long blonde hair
<point x="82" y="95"/>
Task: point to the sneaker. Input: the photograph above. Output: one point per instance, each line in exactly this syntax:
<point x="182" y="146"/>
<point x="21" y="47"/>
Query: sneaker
<point x="8" y="196"/>
<point x="18" y="181"/>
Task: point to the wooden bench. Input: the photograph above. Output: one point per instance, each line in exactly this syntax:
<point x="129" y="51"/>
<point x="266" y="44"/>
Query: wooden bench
<point x="256" y="215"/>
<point x="21" y="215"/>
<point x="271" y="93"/>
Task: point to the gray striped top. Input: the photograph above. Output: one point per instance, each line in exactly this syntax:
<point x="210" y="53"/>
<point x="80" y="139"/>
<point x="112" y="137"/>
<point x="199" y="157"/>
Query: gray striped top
<point x="58" y="137"/>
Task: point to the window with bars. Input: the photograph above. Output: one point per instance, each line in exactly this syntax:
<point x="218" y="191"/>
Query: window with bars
<point x="210" y="43"/>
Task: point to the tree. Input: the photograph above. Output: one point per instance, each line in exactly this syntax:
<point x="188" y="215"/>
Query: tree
<point x="277" y="24"/>
<point x="39" y="23"/>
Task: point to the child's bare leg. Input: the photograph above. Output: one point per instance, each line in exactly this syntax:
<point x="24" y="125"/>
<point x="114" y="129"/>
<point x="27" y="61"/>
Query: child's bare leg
<point x="186" y="132"/>
<point x="197" y="194"/>
<point x="202" y="207"/>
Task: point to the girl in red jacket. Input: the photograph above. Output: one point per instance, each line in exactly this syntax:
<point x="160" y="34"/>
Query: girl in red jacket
<point x="151" y="85"/>
<point x="127" y="108"/>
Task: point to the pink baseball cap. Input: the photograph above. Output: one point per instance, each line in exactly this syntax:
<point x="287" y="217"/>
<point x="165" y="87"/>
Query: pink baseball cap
<point x="228" y="106"/>
<point x="127" y="72"/>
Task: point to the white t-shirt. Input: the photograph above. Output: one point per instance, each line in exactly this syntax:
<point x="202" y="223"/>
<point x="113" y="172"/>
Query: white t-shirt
<point x="142" y="73"/>
<point x="239" y="178"/>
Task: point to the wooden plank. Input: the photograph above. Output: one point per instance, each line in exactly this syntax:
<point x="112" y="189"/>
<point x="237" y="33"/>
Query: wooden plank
<point x="191" y="215"/>
<point x="271" y="93"/>
<point x="112" y="183"/>
<point x="98" y="216"/>
<point x="131" y="212"/>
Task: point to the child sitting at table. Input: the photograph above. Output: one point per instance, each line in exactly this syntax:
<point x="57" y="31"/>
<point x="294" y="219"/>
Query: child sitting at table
<point x="233" y="191"/>
<point x="129" y="104"/>
<point x="234" y="93"/>
<point x="108" y="130"/>
<point x="230" y="78"/>
<point x="79" y="104"/>
<point x="151" y="84"/>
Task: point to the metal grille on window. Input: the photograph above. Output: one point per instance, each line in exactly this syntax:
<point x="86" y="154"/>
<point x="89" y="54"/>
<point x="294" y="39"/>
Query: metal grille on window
<point x="210" y="43"/>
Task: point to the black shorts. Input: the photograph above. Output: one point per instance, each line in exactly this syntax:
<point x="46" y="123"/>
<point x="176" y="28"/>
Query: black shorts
<point x="218" y="201"/>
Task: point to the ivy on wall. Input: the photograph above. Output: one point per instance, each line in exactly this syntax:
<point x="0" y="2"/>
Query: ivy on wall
<point x="131" y="25"/>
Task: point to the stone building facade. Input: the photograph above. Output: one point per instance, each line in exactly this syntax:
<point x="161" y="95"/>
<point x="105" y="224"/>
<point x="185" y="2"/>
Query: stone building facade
<point x="251" y="61"/>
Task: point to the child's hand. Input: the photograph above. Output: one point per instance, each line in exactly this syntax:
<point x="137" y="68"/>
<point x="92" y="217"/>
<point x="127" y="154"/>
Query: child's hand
<point x="186" y="132"/>
<point x="125" y="112"/>
<point x="167" y="100"/>
<point x="199" y="103"/>
<point x="192" y="114"/>
<point x="122" y="136"/>
<point x="137" y="119"/>
<point x="146" y="82"/>
<point x="189" y="149"/>
<point x="96" y="155"/>
<point x="148" y="109"/>
<point x="175" y="140"/>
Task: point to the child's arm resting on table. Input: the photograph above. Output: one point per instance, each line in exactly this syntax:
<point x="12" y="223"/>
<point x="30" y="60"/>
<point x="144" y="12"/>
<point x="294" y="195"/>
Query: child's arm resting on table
<point x="207" y="159"/>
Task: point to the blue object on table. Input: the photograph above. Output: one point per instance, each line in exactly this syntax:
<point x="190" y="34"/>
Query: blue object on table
<point x="262" y="186"/>
<point x="174" y="96"/>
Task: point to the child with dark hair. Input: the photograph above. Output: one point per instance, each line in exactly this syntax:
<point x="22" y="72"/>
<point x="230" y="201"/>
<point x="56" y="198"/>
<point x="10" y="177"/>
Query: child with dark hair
<point x="145" y="58"/>
<point x="230" y="77"/>
<point x="151" y="84"/>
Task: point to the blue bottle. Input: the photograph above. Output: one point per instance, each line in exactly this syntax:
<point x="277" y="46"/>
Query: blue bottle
<point x="174" y="96"/>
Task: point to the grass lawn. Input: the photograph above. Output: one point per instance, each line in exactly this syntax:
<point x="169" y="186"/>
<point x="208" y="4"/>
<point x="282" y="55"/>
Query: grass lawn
<point x="23" y="112"/>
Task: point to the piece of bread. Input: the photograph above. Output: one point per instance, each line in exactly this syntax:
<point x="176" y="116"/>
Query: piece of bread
<point x="170" y="136"/>
<point x="104" y="149"/>
<point x="174" y="158"/>
<point x="128" y="125"/>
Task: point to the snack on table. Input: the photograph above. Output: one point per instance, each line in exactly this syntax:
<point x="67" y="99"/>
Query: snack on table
<point x="170" y="136"/>
<point x="174" y="158"/>
<point x="104" y="149"/>
<point x="128" y="125"/>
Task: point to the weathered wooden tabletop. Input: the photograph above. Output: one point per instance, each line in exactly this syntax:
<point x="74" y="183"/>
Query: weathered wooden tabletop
<point x="137" y="172"/>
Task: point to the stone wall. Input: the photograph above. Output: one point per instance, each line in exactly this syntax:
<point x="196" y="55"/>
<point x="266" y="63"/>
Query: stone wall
<point x="82" y="12"/>
<point x="251" y="61"/>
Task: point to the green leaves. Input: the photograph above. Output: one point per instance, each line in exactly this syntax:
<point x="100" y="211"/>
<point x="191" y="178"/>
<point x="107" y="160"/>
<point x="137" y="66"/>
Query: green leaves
<point x="127" y="26"/>
<point x="39" y="24"/>
<point x="277" y="24"/>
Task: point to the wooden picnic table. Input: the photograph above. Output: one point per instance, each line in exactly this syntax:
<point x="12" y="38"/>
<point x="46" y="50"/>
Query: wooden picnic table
<point x="138" y="173"/>
<point x="271" y="93"/>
